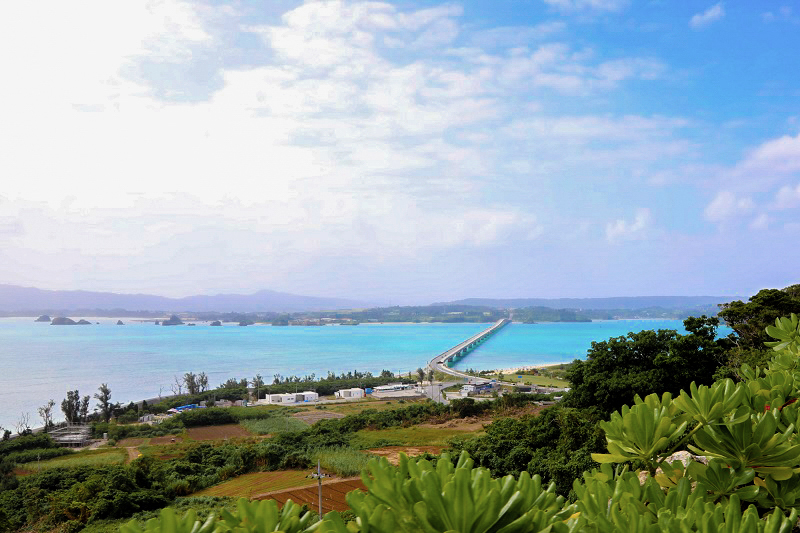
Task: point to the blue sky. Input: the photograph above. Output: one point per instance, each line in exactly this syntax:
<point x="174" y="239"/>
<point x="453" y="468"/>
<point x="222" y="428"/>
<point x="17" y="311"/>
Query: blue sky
<point x="402" y="152"/>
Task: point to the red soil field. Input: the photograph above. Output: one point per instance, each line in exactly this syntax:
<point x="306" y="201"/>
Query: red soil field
<point x="333" y="495"/>
<point x="226" y="431"/>
<point x="392" y="453"/>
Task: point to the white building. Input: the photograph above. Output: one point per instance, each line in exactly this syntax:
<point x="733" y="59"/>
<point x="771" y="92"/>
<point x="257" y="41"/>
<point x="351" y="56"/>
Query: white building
<point x="307" y="396"/>
<point x="393" y="387"/>
<point x="350" y="393"/>
<point x="292" y="397"/>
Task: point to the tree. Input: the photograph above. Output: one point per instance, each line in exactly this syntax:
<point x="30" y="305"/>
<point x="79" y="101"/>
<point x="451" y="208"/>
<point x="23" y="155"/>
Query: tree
<point x="103" y="396"/>
<point x="84" y="411"/>
<point x="177" y="386"/>
<point x="420" y="374"/>
<point x="648" y="361"/>
<point x="71" y="406"/>
<point x="277" y="379"/>
<point x="750" y="319"/>
<point x="192" y="386"/>
<point x="46" y="412"/>
<point x="258" y="382"/>
<point x="23" y="424"/>
<point x="202" y="381"/>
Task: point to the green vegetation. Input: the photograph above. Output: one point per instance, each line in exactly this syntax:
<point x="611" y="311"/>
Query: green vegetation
<point x="749" y="322"/>
<point x="274" y="425"/>
<point x="402" y="436"/>
<point x="642" y="363"/>
<point x="248" y="485"/>
<point x="527" y="378"/>
<point x="99" y="457"/>
<point x="747" y="427"/>
<point x="748" y="431"/>
<point x="343" y="461"/>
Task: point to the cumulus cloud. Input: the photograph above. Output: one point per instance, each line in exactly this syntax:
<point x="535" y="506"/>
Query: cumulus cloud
<point x="726" y="205"/>
<point x="776" y="157"/>
<point x="621" y="229"/>
<point x="588" y="5"/>
<point x="701" y="20"/>
<point x="788" y="197"/>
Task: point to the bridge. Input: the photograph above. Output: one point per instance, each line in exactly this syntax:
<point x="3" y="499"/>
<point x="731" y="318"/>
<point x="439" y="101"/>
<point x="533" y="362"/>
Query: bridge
<point x="443" y="361"/>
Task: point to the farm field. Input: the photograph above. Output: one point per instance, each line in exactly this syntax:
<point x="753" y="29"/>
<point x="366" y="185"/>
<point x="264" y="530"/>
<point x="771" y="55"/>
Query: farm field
<point x="311" y="417"/>
<point x="392" y="453"/>
<point x="273" y="425"/>
<point x="333" y="495"/>
<point x="225" y="431"/>
<point x="248" y="485"/>
<point x="98" y="457"/>
<point x="352" y="407"/>
<point x="411" y="436"/>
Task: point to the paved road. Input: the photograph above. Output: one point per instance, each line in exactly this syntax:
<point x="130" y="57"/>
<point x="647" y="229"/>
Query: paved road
<point x="435" y="393"/>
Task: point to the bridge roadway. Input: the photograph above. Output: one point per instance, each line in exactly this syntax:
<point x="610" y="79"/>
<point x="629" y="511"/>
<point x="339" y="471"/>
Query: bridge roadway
<point x="453" y="354"/>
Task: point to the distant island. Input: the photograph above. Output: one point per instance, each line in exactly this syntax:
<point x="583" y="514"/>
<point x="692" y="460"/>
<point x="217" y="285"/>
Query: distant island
<point x="282" y="309"/>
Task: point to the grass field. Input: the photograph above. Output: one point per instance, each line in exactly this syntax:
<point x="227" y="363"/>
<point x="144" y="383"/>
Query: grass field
<point x="271" y="426"/>
<point x="99" y="457"/>
<point x="248" y="485"/>
<point x="350" y="408"/>
<point x="344" y="462"/>
<point x="412" y="436"/>
<point x="530" y="379"/>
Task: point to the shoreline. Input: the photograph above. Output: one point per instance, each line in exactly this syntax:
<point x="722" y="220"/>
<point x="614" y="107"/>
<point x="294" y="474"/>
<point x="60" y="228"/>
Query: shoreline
<point x="523" y="369"/>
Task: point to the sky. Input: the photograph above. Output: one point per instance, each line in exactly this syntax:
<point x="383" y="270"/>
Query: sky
<point x="403" y="152"/>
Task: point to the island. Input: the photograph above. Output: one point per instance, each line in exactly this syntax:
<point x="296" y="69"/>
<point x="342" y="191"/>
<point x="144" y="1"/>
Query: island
<point x="174" y="320"/>
<point x="43" y="318"/>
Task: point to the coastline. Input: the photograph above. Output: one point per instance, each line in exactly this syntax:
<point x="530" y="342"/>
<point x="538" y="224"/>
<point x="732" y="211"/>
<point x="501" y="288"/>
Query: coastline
<point x="523" y="369"/>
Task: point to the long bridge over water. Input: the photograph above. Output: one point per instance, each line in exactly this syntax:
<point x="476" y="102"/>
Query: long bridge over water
<point x="442" y="361"/>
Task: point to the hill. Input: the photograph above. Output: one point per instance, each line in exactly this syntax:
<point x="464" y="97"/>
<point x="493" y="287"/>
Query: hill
<point x="619" y="302"/>
<point x="29" y="300"/>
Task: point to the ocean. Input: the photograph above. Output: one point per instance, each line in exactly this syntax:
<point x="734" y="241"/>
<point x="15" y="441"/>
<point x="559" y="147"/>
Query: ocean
<point x="140" y="360"/>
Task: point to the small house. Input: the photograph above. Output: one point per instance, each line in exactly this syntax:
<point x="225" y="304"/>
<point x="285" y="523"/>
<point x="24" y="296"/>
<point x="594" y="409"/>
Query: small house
<point x="350" y="393"/>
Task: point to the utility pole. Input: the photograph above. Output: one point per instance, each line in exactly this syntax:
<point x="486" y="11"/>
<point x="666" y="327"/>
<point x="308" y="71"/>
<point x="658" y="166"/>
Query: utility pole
<point x="319" y="475"/>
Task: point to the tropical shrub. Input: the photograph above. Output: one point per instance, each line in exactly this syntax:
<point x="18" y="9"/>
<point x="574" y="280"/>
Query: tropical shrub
<point x="748" y="433"/>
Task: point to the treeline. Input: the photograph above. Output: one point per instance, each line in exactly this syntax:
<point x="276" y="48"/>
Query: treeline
<point x="426" y="313"/>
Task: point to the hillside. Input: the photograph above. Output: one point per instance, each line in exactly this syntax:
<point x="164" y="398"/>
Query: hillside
<point x="37" y="301"/>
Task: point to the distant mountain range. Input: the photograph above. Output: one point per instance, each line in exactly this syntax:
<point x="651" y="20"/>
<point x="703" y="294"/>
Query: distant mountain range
<point x="620" y="302"/>
<point x="28" y="299"/>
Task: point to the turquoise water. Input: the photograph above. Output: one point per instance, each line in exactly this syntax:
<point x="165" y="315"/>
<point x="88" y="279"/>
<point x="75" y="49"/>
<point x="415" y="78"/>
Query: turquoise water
<point x="139" y="360"/>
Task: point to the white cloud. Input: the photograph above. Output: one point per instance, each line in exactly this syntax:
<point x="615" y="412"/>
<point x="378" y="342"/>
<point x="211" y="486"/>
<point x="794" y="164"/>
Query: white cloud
<point x="761" y="222"/>
<point x="323" y="144"/>
<point x="701" y="20"/>
<point x="588" y="5"/>
<point x="787" y="197"/>
<point x="726" y="205"/>
<point x="621" y="229"/>
<point x="776" y="157"/>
